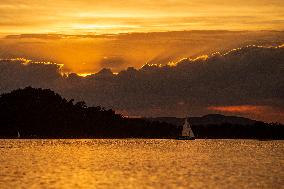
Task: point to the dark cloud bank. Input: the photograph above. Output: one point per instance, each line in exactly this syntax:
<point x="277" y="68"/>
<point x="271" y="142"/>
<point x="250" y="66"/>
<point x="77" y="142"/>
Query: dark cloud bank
<point x="248" y="81"/>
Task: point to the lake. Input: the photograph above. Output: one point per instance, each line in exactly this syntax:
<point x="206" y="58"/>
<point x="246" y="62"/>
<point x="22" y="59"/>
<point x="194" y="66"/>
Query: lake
<point x="140" y="163"/>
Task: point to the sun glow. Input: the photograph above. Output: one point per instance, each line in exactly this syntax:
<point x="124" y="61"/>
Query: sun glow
<point x="84" y="74"/>
<point x="128" y="16"/>
<point x="100" y="26"/>
<point x="240" y="109"/>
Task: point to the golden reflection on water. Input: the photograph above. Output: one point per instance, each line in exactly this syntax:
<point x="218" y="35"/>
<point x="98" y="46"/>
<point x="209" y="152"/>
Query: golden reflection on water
<point x="137" y="163"/>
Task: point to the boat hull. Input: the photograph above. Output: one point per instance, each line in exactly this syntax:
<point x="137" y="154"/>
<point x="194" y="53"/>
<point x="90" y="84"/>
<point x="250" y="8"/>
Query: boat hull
<point x="185" y="138"/>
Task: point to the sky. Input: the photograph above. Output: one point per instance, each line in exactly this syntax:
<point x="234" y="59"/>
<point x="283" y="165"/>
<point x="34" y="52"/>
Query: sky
<point x="112" y="16"/>
<point x="149" y="58"/>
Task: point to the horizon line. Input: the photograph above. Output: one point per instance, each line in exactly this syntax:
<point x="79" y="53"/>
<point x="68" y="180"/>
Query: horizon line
<point x="91" y="34"/>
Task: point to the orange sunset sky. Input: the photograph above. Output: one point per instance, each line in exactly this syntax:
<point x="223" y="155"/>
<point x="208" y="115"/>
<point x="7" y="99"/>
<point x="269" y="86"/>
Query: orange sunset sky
<point x="112" y="16"/>
<point x="240" y="43"/>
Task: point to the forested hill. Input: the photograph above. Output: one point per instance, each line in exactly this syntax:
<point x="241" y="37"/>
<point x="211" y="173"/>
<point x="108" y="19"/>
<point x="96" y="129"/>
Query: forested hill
<point x="41" y="113"/>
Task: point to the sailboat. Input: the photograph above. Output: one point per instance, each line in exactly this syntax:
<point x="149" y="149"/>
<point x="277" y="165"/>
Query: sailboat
<point x="187" y="133"/>
<point x="18" y="135"/>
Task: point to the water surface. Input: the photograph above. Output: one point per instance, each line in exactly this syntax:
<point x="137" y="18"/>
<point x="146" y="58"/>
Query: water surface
<point x="138" y="163"/>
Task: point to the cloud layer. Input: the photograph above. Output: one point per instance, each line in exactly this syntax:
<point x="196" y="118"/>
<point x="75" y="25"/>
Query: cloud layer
<point x="247" y="81"/>
<point x="91" y="53"/>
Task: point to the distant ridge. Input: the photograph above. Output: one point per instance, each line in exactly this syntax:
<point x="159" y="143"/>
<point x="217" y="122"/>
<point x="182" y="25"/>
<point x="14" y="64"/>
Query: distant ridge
<point x="218" y="119"/>
<point x="210" y="119"/>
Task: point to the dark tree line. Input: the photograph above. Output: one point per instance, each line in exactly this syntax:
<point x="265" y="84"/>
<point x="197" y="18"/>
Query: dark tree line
<point x="258" y="130"/>
<point x="44" y="114"/>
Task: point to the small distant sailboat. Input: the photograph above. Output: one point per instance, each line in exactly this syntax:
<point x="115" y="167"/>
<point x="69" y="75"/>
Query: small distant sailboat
<point x="18" y="135"/>
<point x="187" y="133"/>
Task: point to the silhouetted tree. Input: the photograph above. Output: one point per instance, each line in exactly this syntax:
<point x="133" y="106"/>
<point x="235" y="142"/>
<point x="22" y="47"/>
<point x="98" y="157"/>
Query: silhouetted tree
<point x="43" y="113"/>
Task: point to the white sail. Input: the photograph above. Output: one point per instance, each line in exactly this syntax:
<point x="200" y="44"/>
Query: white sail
<point x="186" y="130"/>
<point x="19" y="134"/>
<point x="191" y="134"/>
